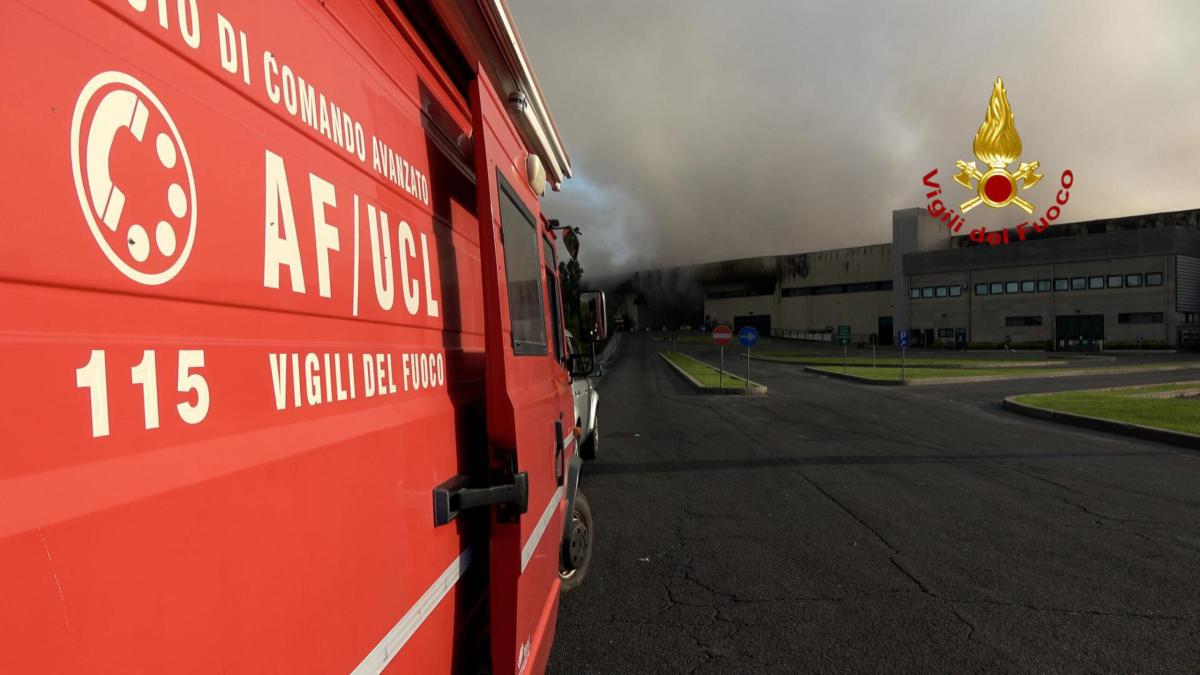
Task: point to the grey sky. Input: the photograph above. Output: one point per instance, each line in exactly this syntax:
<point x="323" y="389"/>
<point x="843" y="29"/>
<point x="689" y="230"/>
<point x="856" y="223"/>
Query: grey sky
<point x="711" y="129"/>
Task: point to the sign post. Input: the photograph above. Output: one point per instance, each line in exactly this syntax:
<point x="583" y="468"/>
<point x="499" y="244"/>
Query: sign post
<point x="748" y="336"/>
<point x="844" y="341"/>
<point x="903" y="348"/>
<point x="722" y="335"/>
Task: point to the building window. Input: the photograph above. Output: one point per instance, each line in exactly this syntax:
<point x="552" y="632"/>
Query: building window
<point x="1078" y="283"/>
<point x="1043" y="285"/>
<point x="980" y="289"/>
<point x="1012" y="287"/>
<point x="945" y="332"/>
<point x="955" y="291"/>
<point x="1095" y="282"/>
<point x="914" y="293"/>
<point x="1133" y="280"/>
<point x="927" y="292"/>
<point x="1189" y="317"/>
<point x="827" y="289"/>
<point x="1140" y="317"/>
<point x="1154" y="279"/>
<point x="942" y="291"/>
<point x="1027" y="286"/>
<point x="1061" y="284"/>
<point x="997" y="287"/>
<point x="1022" y="321"/>
<point x="1116" y="281"/>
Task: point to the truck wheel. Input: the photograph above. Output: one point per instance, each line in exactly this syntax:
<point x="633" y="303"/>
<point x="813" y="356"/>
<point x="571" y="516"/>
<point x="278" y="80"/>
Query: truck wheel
<point x="589" y="449"/>
<point x="577" y="547"/>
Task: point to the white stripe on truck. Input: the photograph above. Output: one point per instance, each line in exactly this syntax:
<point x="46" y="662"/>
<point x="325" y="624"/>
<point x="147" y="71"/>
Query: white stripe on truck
<point x="407" y="626"/>
<point x="535" y="537"/>
<point x="394" y="641"/>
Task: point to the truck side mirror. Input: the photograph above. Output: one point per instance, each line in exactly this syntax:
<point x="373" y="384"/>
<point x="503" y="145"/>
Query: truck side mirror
<point x="580" y="365"/>
<point x="593" y="317"/>
<point x="571" y="241"/>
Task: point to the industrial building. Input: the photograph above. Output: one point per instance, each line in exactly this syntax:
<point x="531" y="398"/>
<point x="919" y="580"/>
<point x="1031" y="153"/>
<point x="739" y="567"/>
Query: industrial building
<point x="1112" y="283"/>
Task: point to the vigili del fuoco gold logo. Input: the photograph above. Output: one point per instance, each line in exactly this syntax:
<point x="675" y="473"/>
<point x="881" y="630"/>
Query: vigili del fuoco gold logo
<point x="997" y="145"/>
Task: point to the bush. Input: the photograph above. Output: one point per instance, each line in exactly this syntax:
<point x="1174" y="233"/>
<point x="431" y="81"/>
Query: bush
<point x="1045" y="345"/>
<point x="1128" y="344"/>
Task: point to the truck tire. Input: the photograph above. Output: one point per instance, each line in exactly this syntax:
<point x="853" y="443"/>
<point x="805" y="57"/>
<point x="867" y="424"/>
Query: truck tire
<point x="589" y="449"/>
<point x="577" y="546"/>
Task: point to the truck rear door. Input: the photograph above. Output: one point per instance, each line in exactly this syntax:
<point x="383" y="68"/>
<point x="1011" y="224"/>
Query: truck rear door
<point x="528" y="397"/>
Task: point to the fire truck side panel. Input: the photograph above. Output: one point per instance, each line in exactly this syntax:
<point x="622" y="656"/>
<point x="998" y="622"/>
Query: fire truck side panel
<point x="528" y="411"/>
<point x="241" y="348"/>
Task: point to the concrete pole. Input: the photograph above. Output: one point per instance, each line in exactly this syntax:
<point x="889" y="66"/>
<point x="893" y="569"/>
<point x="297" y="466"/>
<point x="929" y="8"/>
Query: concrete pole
<point x="747" y="371"/>
<point x="721" y="377"/>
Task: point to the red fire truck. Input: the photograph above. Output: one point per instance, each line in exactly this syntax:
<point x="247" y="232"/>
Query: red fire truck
<point x="285" y="384"/>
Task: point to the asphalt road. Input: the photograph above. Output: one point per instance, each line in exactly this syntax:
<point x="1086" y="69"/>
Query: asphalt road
<point x="832" y="526"/>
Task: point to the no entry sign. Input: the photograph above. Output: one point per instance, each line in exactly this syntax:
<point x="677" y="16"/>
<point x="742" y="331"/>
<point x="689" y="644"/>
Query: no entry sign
<point x="722" y="335"/>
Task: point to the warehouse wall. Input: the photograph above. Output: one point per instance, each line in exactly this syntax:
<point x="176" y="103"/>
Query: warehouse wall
<point x="985" y="317"/>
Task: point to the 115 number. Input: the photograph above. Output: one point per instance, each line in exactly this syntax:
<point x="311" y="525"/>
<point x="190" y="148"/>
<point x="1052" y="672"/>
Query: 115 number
<point x="93" y="376"/>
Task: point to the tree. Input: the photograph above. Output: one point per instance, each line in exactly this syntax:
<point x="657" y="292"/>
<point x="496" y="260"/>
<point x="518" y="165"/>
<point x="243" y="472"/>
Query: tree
<point x="570" y="278"/>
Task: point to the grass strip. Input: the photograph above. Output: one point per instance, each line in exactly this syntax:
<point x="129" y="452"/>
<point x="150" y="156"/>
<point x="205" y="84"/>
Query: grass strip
<point x="894" y="362"/>
<point x="1126" y="405"/>
<point x="705" y="374"/>
<point x="893" y="373"/>
<point x="949" y="356"/>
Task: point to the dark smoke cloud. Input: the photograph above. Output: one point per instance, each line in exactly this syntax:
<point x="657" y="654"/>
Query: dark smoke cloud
<point x="707" y="129"/>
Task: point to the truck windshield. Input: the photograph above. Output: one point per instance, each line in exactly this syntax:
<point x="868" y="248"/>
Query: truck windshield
<point x="555" y="299"/>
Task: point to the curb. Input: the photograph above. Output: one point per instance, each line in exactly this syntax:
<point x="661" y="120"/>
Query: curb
<point x="1100" y="424"/>
<point x="755" y="388"/>
<point x="1049" y="365"/>
<point x="610" y="349"/>
<point x="998" y="377"/>
<point x="1055" y="373"/>
<point x="817" y="370"/>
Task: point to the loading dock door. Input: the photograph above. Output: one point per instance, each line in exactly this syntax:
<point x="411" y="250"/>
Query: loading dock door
<point x="1079" y="332"/>
<point x="885" y="331"/>
<point x="762" y="322"/>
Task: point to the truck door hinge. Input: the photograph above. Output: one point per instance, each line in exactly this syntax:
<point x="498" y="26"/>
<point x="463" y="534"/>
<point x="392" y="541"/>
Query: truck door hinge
<point x="456" y="495"/>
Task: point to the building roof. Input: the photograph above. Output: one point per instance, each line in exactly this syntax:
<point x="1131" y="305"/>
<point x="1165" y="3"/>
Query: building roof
<point x="1100" y="245"/>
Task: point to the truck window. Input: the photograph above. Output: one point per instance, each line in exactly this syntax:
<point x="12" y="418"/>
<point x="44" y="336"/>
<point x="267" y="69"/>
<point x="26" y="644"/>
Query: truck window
<point x="555" y="297"/>
<point x="525" y="306"/>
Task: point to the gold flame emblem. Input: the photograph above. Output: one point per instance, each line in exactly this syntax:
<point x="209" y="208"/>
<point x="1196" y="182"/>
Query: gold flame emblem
<point x="997" y="144"/>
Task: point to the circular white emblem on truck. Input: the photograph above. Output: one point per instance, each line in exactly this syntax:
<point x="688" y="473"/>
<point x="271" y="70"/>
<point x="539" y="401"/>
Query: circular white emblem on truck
<point x="133" y="178"/>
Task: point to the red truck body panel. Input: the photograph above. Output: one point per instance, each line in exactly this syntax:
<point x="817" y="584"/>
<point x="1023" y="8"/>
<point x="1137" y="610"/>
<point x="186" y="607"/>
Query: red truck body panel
<point x="243" y="340"/>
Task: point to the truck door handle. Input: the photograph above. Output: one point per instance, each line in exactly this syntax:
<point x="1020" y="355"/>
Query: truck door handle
<point x="454" y="496"/>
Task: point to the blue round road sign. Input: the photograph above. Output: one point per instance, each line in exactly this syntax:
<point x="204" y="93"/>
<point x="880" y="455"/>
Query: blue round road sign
<point x="748" y="336"/>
